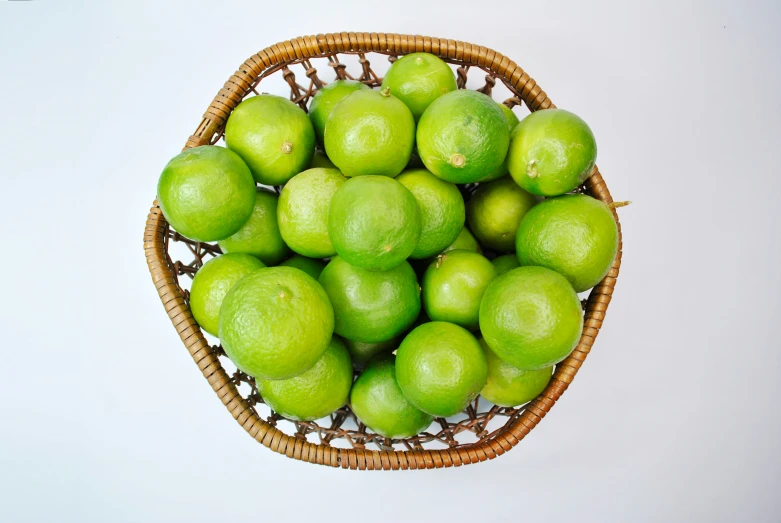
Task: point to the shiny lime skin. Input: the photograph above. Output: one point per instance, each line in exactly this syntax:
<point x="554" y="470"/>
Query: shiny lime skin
<point x="213" y="281"/>
<point x="371" y="306"/>
<point x="370" y="133"/>
<point x="326" y="99"/>
<point x="551" y="152"/>
<point x="273" y="135"/>
<point x="378" y="402"/>
<point x="495" y="211"/>
<point x="418" y="79"/>
<point x="206" y="193"/>
<point x="531" y="317"/>
<point x="512" y="121"/>
<point x="441" y="209"/>
<point x="509" y="386"/>
<point x="363" y="352"/>
<point x="504" y="263"/>
<point x="465" y="241"/>
<point x="374" y="222"/>
<point x="316" y="392"/>
<point x="303" y="211"/>
<point x="276" y="323"/>
<point x="453" y="286"/>
<point x="321" y="160"/>
<point x="462" y="137"/>
<point x="259" y="236"/>
<point x="574" y="234"/>
<point x="440" y="368"/>
<point x="308" y="265"/>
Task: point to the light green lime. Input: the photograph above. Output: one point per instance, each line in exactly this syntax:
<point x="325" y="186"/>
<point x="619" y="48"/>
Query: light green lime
<point x="374" y="222"/>
<point x="531" y="317"/>
<point x="363" y="352"/>
<point x="273" y="135"/>
<point x="321" y="160"/>
<point x="495" y="211"/>
<point x="574" y="234"/>
<point x="378" y="402"/>
<point x="551" y="152"/>
<point x="326" y="99"/>
<point x="303" y="211"/>
<point x="440" y="368"/>
<point x="259" y="236"/>
<point x="308" y="265"/>
<point x="370" y="132"/>
<point x="462" y="137"/>
<point x="213" y="281"/>
<point x="506" y="262"/>
<point x="276" y="323"/>
<point x="465" y="241"/>
<point x="206" y="193"/>
<point x="418" y="79"/>
<point x="441" y="209"/>
<point x="316" y="392"/>
<point x="508" y="386"/>
<point x="371" y="306"/>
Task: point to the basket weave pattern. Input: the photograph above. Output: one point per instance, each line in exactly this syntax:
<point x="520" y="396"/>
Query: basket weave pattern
<point x="448" y="446"/>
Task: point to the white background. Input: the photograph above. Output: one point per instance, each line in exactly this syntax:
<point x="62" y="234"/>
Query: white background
<point x="674" y="417"/>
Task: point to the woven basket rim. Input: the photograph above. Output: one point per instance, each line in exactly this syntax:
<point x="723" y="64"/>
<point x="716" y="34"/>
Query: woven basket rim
<point x="234" y="90"/>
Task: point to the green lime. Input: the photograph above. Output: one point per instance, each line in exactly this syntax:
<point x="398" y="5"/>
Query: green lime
<point x="377" y="401"/>
<point x="276" y="323"/>
<point x="512" y="121"/>
<point x="504" y="263"/>
<point x="574" y="234"/>
<point x="326" y="99"/>
<point x="213" y="281"/>
<point x="462" y="136"/>
<point x="370" y="132"/>
<point x="465" y="241"/>
<point x="531" y="317"/>
<point x="453" y="286"/>
<point x="303" y="211"/>
<point x="315" y="393"/>
<point x="308" y="265"/>
<point x="259" y="236"/>
<point x="321" y="160"/>
<point x="495" y="211"/>
<point x="374" y="222"/>
<point x="440" y="368"/>
<point x="206" y="193"/>
<point x="363" y="352"/>
<point x="441" y="210"/>
<point x="418" y="79"/>
<point x="273" y="135"/>
<point x="371" y="306"/>
<point x="551" y="152"/>
<point x="508" y="386"/>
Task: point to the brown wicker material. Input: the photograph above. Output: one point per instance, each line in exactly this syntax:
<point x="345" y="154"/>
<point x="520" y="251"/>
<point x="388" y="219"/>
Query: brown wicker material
<point x="482" y="432"/>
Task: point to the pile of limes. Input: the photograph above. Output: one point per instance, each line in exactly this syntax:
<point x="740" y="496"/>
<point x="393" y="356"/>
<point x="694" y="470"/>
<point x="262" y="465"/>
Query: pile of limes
<point x="369" y="258"/>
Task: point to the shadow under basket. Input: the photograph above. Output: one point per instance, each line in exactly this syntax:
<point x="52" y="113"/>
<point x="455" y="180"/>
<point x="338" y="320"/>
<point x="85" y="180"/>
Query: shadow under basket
<point x="482" y="431"/>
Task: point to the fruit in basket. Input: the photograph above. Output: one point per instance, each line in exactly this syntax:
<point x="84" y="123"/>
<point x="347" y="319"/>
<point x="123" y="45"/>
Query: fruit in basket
<point x="551" y="152"/>
<point x="378" y="402"/>
<point x="509" y="386"/>
<point x="206" y="193"/>
<point x="370" y="132"/>
<point x="417" y="79"/>
<point x="315" y="393"/>
<point x="324" y="101"/>
<point x="259" y="236"/>
<point x="276" y="323"/>
<point x="512" y="121"/>
<point x="531" y="317"/>
<point x="453" y="286"/>
<point x="495" y="211"/>
<point x="273" y="136"/>
<point x="440" y="368"/>
<point x="374" y="222"/>
<point x="363" y="352"/>
<point x="441" y="209"/>
<point x="371" y="306"/>
<point x="303" y="211"/>
<point x="574" y="234"/>
<point x="505" y="262"/>
<point x="308" y="265"/>
<point x="462" y="137"/>
<point x="213" y="281"/>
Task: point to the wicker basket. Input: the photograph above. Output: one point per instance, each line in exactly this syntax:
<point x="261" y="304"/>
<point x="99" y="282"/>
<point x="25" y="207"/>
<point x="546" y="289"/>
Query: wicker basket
<point x="483" y="431"/>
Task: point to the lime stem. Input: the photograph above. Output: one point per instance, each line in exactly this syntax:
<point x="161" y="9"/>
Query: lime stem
<point x="531" y="169"/>
<point x="287" y="147"/>
<point x="457" y="160"/>
<point x="385" y="91"/>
